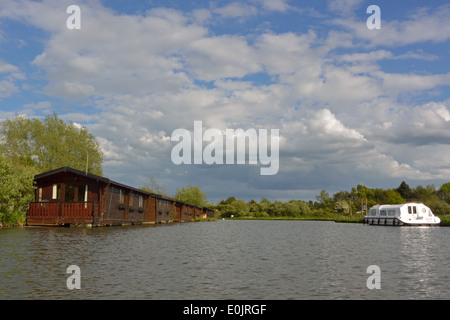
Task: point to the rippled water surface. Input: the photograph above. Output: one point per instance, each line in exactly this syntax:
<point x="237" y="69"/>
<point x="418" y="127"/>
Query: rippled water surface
<point x="226" y="260"/>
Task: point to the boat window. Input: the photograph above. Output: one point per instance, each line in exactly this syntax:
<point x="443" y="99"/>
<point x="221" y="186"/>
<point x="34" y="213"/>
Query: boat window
<point x="383" y="213"/>
<point x="414" y="210"/>
<point x="391" y="213"/>
<point x="409" y="210"/>
<point x="372" y="212"/>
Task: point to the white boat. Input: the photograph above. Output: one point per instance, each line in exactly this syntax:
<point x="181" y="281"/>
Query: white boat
<point x="407" y="214"/>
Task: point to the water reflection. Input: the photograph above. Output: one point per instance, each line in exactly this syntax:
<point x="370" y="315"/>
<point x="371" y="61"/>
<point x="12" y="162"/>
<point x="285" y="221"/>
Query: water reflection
<point x="226" y="260"/>
<point x="418" y="262"/>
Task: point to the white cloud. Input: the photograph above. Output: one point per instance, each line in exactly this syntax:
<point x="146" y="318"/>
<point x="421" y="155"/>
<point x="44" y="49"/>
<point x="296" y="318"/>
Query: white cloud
<point x="236" y="10"/>
<point x="9" y="75"/>
<point x="139" y="77"/>
<point x="221" y="57"/>
<point x="421" y="26"/>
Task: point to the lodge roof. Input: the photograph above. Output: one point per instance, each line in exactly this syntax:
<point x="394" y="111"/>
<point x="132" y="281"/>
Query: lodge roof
<point x="104" y="180"/>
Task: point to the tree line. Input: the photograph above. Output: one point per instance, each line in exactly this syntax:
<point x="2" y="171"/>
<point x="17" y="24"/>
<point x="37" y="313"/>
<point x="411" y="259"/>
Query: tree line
<point x="32" y="146"/>
<point x="353" y="203"/>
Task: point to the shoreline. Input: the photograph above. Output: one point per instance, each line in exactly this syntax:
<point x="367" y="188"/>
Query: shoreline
<point x="445" y="221"/>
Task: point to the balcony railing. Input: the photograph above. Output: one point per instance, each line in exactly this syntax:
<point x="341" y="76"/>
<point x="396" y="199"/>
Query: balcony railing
<point x="62" y="212"/>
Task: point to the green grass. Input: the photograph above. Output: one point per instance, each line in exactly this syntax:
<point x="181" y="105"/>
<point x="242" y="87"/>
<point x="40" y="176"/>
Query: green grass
<point x="12" y="219"/>
<point x="306" y="217"/>
<point x="445" y="220"/>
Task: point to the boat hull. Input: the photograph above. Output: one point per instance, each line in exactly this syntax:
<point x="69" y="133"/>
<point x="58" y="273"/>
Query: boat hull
<point x="397" y="222"/>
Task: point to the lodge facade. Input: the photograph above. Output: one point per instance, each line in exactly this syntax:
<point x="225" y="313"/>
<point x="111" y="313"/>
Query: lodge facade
<point x="67" y="196"/>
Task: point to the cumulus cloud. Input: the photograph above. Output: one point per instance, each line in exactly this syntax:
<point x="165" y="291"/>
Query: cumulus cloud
<point x="420" y="25"/>
<point x="136" y="78"/>
<point x="9" y="75"/>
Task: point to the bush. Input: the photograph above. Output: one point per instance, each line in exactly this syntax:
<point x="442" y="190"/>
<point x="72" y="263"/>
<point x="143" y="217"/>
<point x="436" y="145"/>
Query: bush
<point x="16" y="191"/>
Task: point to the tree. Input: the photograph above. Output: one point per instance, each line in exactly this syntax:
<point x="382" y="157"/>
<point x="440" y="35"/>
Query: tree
<point x="50" y="144"/>
<point x="16" y="191"/>
<point x="303" y="207"/>
<point x="342" y="207"/>
<point x="154" y="187"/>
<point x="444" y="192"/>
<point x="405" y="191"/>
<point x="237" y="208"/>
<point x="324" y="199"/>
<point x="193" y="195"/>
<point x="393" y="197"/>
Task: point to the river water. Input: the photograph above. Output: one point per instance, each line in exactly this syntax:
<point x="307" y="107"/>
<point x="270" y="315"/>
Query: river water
<point x="227" y="259"/>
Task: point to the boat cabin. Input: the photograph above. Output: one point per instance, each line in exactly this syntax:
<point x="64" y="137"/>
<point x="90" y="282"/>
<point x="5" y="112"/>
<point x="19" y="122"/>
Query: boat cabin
<point x="401" y="214"/>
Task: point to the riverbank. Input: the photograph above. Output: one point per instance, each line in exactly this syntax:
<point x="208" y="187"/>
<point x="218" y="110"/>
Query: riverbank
<point x="445" y="220"/>
<point x="306" y="218"/>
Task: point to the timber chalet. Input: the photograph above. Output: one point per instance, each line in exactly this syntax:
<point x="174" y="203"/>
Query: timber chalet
<point x="66" y="197"/>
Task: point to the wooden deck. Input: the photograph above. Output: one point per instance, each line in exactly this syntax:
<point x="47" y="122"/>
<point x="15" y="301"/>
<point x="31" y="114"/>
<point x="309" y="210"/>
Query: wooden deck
<point x="62" y="213"/>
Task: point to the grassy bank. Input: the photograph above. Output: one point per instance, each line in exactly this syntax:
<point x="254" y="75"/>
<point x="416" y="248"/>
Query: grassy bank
<point x="445" y="219"/>
<point x="12" y="219"/>
<point x="307" y="217"/>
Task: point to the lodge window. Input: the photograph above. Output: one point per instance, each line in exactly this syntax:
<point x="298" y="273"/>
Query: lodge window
<point x="69" y="194"/>
<point x="131" y="200"/>
<point x="82" y="193"/>
<point x="120" y="196"/>
<point x="141" y="201"/>
<point x="56" y="192"/>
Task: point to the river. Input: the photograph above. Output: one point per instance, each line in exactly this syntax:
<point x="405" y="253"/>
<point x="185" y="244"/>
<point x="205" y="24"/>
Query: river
<point x="226" y="259"/>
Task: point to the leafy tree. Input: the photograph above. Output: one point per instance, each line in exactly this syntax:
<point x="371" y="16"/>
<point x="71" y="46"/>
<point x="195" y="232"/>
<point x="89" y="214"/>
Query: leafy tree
<point x="342" y="207"/>
<point x="275" y="209"/>
<point x="303" y="207"/>
<point x="193" y="195"/>
<point x="444" y="192"/>
<point x="405" y="191"/>
<point x="228" y="201"/>
<point x="50" y="144"/>
<point x="324" y="199"/>
<point x="393" y="197"/>
<point x="238" y="208"/>
<point x="16" y="191"/>
<point x="154" y="187"/>
<point x="290" y="209"/>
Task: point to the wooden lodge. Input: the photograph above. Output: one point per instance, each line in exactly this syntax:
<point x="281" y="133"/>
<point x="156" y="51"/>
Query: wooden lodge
<point x="66" y="197"/>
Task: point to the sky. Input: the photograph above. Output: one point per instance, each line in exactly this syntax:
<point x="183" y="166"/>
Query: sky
<point x="353" y="104"/>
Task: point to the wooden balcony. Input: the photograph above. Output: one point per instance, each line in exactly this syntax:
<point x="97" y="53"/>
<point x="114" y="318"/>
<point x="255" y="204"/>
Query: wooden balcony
<point x="62" y="213"/>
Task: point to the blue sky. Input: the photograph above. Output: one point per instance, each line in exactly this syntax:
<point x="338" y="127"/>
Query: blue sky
<point x="353" y="105"/>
